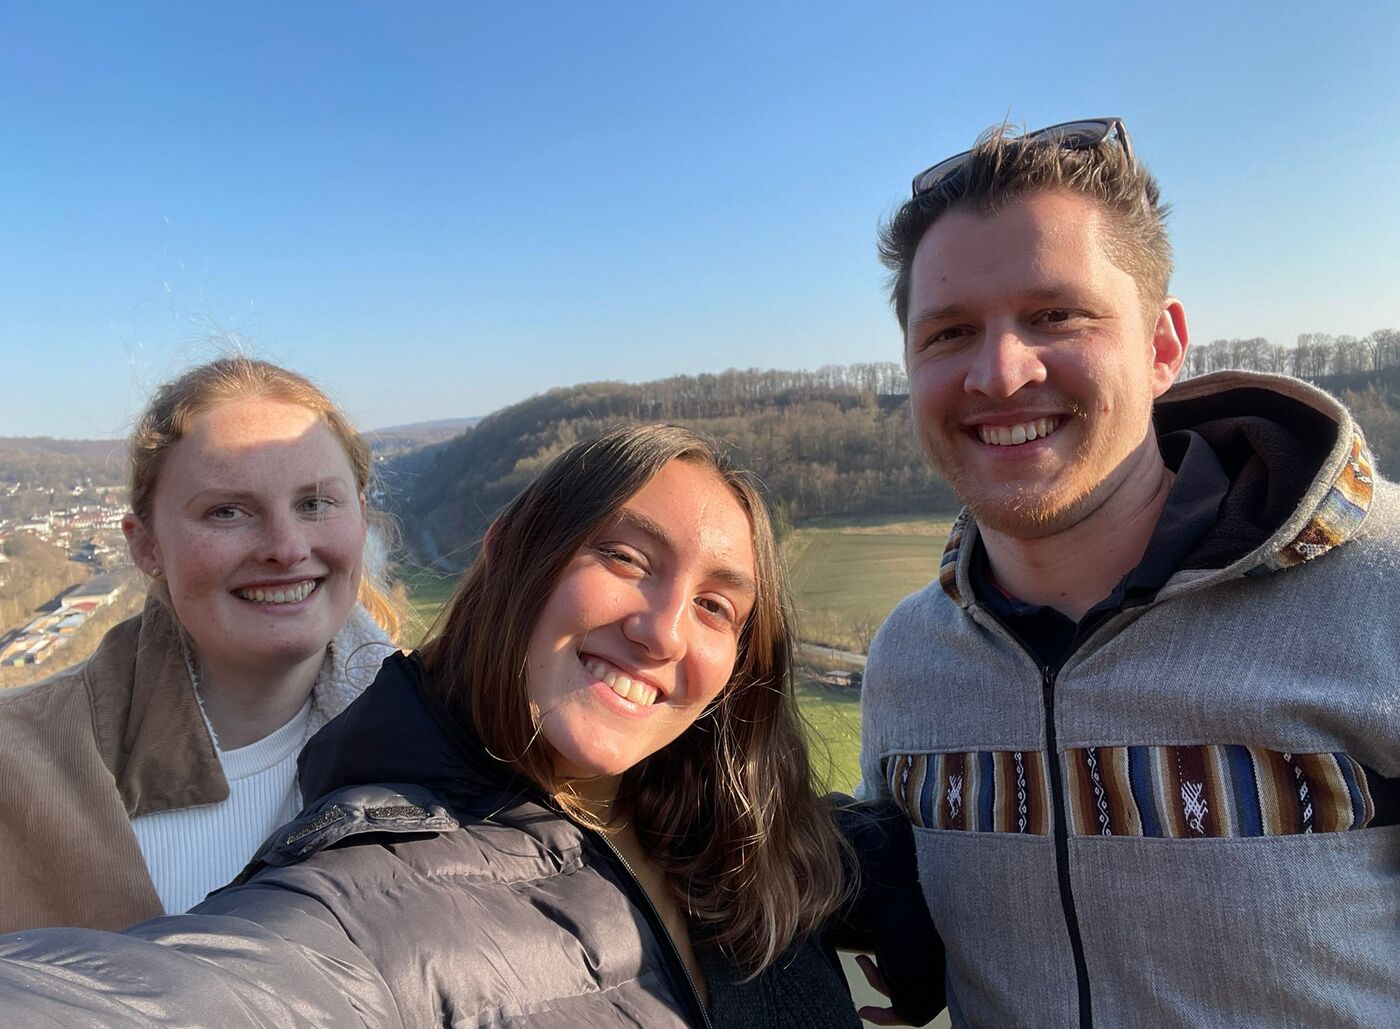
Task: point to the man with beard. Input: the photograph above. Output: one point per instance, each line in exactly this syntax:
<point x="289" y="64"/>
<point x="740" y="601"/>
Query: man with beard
<point x="1146" y="723"/>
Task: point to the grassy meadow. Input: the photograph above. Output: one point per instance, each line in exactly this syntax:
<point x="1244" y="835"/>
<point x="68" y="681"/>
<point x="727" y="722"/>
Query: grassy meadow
<point x="846" y="576"/>
<point x="428" y="592"/>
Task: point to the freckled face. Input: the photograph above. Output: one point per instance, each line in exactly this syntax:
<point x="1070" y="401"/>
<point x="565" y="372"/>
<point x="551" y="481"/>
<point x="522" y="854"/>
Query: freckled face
<point x="1032" y="370"/>
<point x="257" y="528"/>
<point x="641" y="634"/>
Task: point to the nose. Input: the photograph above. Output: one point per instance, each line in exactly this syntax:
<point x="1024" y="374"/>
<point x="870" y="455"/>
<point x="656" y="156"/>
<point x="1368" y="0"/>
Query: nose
<point x="1002" y="364"/>
<point x="658" y="626"/>
<point x="283" y="541"/>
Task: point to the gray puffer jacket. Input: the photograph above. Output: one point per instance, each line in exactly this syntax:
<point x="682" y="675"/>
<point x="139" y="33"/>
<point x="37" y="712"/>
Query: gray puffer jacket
<point x="430" y="886"/>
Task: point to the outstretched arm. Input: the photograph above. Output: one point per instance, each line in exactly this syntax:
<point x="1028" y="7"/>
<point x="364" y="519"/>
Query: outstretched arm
<point x="286" y="965"/>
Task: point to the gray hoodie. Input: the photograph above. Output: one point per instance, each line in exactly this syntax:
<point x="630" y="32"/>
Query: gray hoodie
<point x="1176" y="827"/>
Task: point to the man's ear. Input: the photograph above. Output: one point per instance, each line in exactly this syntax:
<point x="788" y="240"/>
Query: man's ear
<point x="141" y="544"/>
<point x="1169" y="341"/>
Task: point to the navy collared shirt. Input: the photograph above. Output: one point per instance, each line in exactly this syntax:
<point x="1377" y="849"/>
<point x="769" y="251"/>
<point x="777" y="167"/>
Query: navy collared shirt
<point x="1191" y="510"/>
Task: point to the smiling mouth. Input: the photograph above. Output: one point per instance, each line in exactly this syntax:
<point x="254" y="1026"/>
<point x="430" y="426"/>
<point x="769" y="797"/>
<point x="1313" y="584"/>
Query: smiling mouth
<point x="292" y="593"/>
<point x="1022" y="432"/>
<point x="623" y="685"/>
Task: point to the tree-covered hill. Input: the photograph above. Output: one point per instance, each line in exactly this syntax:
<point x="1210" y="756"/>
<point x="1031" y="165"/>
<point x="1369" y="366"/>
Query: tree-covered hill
<point x="832" y="442"/>
<point x="61" y="463"/>
<point x="836" y="441"/>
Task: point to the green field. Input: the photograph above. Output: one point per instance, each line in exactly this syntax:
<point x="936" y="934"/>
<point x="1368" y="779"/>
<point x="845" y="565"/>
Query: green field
<point x="833" y="732"/>
<point x="428" y="591"/>
<point x="846" y="577"/>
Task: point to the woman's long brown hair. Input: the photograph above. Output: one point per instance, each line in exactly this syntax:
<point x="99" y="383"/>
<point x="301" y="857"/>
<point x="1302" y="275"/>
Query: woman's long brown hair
<point x="728" y="810"/>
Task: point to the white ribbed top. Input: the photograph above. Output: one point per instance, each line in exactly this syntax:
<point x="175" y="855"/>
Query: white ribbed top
<point x="195" y="850"/>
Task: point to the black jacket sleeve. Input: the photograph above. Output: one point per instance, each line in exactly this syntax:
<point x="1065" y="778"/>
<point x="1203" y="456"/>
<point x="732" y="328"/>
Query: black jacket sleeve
<point x="888" y="915"/>
<point x="271" y="963"/>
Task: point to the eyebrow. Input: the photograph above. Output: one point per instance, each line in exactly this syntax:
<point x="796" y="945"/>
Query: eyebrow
<point x="656" y="531"/>
<point x="1040" y="294"/>
<point x="212" y="492"/>
<point x="938" y="314"/>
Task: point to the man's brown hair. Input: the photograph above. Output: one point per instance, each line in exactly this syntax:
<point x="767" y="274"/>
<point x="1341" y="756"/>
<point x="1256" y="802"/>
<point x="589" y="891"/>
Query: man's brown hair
<point x="1003" y="168"/>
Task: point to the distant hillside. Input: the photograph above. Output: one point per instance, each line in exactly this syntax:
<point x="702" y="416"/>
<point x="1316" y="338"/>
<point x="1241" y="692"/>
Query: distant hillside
<point x="399" y="439"/>
<point x="61" y="462"/>
<point x="827" y="443"/>
<point x="36" y="470"/>
<point x="832" y="442"/>
<point x="34" y="573"/>
<point x="54" y="461"/>
<point x="1387" y="381"/>
<point x="1364" y="372"/>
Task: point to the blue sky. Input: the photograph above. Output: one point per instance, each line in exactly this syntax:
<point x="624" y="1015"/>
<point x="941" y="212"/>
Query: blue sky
<point x="436" y="210"/>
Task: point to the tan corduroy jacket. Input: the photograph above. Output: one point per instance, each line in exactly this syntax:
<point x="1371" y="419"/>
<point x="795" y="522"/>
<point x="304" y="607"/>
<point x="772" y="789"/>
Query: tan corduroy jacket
<point x="84" y="752"/>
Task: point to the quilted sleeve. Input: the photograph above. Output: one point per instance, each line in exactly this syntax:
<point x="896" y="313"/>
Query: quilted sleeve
<point x="282" y="965"/>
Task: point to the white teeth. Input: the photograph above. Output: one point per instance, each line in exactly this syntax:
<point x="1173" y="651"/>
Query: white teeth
<point x="286" y="595"/>
<point x="624" y="686"/>
<point x="1014" y="435"/>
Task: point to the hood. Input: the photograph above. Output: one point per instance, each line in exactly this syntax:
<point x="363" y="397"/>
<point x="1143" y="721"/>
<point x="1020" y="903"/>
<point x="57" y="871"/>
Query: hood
<point x="1301" y="478"/>
<point x="397" y="731"/>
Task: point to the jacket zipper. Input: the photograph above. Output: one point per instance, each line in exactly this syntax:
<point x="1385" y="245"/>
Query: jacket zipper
<point x="1057" y="793"/>
<point x="1061" y="834"/>
<point x="660" y="923"/>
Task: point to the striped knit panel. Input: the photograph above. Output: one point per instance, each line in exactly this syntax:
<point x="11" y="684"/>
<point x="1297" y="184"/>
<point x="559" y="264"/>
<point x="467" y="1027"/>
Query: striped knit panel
<point x="1212" y="791"/>
<point x="1174" y="792"/>
<point x="979" y="791"/>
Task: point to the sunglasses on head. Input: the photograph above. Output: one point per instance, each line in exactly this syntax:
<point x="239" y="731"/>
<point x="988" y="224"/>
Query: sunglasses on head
<point x="1072" y="135"/>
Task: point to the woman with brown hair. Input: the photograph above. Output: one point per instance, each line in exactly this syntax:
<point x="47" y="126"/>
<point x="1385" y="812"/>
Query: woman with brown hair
<point x="142" y="779"/>
<point x="587" y="802"/>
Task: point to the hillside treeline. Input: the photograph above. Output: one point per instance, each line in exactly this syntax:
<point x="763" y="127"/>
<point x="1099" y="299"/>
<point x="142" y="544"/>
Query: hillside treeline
<point x="61" y="463"/>
<point x="48" y="469"/>
<point x="1376" y="408"/>
<point x="1316" y="355"/>
<point x="1364" y="372"/>
<point x="831" y="442"/>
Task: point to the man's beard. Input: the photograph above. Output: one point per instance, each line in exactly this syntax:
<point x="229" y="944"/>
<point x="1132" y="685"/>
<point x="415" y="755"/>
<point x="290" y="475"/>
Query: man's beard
<point x="1030" y="511"/>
